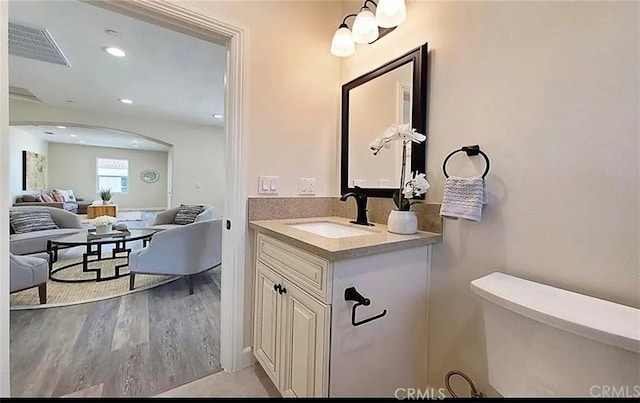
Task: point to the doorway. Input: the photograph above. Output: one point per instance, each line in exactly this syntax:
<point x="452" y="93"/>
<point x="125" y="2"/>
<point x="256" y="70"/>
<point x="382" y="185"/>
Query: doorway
<point x="233" y="354"/>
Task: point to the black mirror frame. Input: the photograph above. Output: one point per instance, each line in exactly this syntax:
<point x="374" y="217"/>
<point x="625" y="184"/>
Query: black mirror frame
<point x="419" y="57"/>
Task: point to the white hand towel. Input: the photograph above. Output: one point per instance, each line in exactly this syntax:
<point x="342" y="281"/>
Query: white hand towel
<point x="463" y="198"/>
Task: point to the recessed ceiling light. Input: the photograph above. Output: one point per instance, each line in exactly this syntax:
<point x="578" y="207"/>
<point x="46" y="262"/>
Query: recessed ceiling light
<point x="112" y="32"/>
<point x="73" y="135"/>
<point x="49" y="133"/>
<point x="70" y="101"/>
<point x="61" y="127"/>
<point x="82" y="141"/>
<point x="117" y="52"/>
<point x="217" y="116"/>
<point x="125" y="101"/>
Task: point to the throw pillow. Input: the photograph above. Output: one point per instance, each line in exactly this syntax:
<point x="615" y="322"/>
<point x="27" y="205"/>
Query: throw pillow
<point x="23" y="221"/>
<point x="29" y="198"/>
<point x="58" y="197"/>
<point x="187" y="214"/>
<point x="46" y="198"/>
<point x="67" y="194"/>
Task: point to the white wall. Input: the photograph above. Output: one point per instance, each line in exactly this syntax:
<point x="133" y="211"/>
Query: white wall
<point x="551" y="92"/>
<point x="292" y="89"/>
<point x="20" y="140"/>
<point x="198" y="165"/>
<point x="74" y="167"/>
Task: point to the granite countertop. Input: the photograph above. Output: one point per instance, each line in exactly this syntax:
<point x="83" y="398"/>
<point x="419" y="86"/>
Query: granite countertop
<point x="334" y="249"/>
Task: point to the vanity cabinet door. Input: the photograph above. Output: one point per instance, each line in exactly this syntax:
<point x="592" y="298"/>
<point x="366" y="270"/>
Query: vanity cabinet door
<point x="305" y="344"/>
<point x="267" y="321"/>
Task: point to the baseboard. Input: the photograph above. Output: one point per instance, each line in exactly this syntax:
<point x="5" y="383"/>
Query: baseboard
<point x="247" y="358"/>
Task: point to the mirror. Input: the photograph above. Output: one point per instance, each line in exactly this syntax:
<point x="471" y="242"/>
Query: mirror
<point x="393" y="93"/>
<point x="150" y="176"/>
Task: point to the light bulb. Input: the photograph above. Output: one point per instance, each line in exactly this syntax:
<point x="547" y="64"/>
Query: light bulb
<point x="342" y="44"/>
<point x="365" y="28"/>
<point x="391" y="13"/>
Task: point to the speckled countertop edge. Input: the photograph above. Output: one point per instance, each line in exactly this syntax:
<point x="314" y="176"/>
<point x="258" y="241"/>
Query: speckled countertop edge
<point x="334" y="249"/>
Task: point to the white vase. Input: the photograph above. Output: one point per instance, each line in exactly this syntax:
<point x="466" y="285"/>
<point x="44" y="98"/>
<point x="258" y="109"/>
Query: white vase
<point x="402" y="222"/>
<point x="103" y="229"/>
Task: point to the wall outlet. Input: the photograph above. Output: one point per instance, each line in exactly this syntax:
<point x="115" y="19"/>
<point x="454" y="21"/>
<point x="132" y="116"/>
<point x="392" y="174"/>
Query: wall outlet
<point x="307" y="186"/>
<point x="268" y="184"/>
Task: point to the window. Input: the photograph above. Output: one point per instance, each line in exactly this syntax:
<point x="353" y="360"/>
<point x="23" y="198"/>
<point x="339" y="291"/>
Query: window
<point x="113" y="174"/>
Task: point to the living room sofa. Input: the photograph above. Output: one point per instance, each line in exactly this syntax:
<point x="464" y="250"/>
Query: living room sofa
<point x="79" y="206"/>
<point x="36" y="242"/>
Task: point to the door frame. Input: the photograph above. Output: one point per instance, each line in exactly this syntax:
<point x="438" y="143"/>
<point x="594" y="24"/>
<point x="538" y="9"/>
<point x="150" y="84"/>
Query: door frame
<point x="233" y="355"/>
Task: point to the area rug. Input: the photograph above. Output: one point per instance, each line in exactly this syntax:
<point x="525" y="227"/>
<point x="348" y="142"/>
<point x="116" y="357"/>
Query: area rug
<point x="62" y="294"/>
<point x="122" y="216"/>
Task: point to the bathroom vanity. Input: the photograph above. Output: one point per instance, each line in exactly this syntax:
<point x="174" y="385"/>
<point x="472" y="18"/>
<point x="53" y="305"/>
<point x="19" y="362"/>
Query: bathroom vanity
<point x="340" y="309"/>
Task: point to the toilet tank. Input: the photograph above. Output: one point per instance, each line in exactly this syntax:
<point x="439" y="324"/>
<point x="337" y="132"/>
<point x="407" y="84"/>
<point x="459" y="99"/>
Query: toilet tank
<point x="545" y="341"/>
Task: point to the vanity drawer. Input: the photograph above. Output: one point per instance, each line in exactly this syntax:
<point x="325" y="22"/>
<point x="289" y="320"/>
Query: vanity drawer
<point x="305" y="270"/>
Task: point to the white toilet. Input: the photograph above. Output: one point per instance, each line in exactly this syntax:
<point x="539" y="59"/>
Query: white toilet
<point x="545" y="341"/>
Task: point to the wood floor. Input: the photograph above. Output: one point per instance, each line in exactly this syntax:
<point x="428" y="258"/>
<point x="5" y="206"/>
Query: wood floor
<point x="140" y="344"/>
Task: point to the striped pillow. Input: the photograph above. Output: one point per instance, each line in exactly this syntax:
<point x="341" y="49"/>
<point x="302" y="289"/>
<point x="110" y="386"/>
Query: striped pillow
<point x="46" y="198"/>
<point x="58" y="197"/>
<point x="187" y="214"/>
<point x="31" y="220"/>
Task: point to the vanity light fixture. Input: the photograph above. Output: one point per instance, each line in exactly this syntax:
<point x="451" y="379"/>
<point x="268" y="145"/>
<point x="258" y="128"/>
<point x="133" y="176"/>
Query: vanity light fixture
<point x="343" y="44"/>
<point x="366" y="26"/>
<point x="391" y="13"/>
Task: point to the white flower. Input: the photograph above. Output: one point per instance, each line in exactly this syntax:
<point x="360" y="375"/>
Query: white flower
<point x="394" y="132"/>
<point x="406" y="133"/>
<point x="103" y="220"/>
<point x="417" y="186"/>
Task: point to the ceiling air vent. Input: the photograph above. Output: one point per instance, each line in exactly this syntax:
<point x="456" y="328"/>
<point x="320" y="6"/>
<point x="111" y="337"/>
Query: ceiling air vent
<point x="23" y="94"/>
<point x="34" y="43"/>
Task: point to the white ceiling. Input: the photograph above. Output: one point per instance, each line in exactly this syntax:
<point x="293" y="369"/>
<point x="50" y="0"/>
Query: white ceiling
<point x="167" y="74"/>
<point x="93" y="137"/>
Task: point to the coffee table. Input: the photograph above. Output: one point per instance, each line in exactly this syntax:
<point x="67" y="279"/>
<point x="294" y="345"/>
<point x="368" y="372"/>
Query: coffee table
<point x="94" y="243"/>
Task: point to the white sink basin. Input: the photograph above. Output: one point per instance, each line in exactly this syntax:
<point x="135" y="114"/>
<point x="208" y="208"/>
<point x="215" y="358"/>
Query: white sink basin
<point x="330" y="229"/>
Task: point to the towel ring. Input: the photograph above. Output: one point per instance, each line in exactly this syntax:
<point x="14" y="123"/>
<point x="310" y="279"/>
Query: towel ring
<point x="471" y="151"/>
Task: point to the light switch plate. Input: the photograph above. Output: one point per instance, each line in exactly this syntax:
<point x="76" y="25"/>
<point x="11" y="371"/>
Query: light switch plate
<point x="307" y="186"/>
<point x="268" y="184"/>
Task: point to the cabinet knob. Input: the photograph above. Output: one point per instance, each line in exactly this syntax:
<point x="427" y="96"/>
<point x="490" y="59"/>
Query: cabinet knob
<point x="283" y="290"/>
<point x="276" y="287"/>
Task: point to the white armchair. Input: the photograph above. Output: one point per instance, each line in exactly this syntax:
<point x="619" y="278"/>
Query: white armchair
<point x="182" y="251"/>
<point x="164" y="219"/>
<point x="27" y="272"/>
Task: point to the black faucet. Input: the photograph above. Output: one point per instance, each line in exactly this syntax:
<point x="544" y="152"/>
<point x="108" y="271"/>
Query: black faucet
<point x="361" y="202"/>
